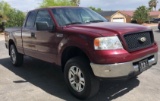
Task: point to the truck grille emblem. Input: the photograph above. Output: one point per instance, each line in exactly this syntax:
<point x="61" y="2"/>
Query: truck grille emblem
<point x="143" y="39"/>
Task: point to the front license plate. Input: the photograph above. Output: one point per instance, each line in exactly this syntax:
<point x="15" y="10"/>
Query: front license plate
<point x="143" y="65"/>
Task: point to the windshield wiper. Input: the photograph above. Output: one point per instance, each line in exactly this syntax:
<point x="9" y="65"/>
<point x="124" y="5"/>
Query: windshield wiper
<point x="74" y="23"/>
<point x="96" y="21"/>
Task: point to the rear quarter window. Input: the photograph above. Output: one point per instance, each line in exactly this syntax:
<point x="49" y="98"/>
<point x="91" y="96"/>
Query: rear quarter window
<point x="31" y="19"/>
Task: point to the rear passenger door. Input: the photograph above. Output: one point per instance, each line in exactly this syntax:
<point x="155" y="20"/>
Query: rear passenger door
<point x="27" y="34"/>
<point x="45" y="39"/>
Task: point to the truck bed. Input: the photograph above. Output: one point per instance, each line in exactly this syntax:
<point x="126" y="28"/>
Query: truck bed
<point x="12" y="29"/>
<point x="8" y="32"/>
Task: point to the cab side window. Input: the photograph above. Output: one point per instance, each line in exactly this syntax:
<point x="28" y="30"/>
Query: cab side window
<point x="44" y="17"/>
<point x="31" y="19"/>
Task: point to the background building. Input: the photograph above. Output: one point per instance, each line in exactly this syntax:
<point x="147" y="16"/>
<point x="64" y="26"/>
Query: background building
<point x="125" y="16"/>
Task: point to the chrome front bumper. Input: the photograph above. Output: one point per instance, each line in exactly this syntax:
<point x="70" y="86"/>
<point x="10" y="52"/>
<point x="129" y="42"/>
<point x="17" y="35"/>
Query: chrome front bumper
<point x="122" y="69"/>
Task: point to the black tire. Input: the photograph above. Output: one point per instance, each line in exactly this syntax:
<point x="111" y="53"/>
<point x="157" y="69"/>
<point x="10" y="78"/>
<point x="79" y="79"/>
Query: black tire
<point x="16" y="58"/>
<point x="91" y="85"/>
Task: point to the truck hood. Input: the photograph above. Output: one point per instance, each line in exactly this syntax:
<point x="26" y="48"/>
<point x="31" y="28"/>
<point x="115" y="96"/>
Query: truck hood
<point x="107" y="28"/>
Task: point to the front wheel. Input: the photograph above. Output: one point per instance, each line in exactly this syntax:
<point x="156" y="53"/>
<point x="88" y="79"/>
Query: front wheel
<point x="80" y="79"/>
<point x="16" y="58"/>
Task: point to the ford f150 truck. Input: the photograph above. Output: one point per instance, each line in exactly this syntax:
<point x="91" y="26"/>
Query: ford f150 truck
<point x="84" y="44"/>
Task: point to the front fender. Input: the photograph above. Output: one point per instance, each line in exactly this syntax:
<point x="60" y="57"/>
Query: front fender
<point x="82" y="42"/>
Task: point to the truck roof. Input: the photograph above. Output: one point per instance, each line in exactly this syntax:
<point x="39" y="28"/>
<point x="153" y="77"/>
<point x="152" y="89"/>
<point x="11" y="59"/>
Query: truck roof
<point x="51" y="7"/>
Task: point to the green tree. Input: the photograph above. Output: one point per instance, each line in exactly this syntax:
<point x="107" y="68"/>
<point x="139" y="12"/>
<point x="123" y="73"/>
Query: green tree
<point x="153" y="4"/>
<point x="150" y="9"/>
<point x="47" y="3"/>
<point x="12" y="16"/>
<point x="141" y="14"/>
<point x="4" y="7"/>
<point x="15" y="18"/>
<point x="95" y="9"/>
<point x="75" y="2"/>
<point x="159" y="10"/>
<point x="1" y="17"/>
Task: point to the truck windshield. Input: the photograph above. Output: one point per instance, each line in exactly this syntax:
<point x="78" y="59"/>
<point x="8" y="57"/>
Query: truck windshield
<point x="68" y="16"/>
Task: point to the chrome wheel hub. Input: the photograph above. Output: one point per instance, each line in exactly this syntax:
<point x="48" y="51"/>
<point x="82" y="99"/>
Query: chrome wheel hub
<point x="13" y="55"/>
<point x="76" y="79"/>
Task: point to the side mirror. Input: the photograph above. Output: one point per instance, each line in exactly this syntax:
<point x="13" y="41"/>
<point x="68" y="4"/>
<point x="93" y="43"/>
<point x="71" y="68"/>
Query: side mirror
<point x="43" y="26"/>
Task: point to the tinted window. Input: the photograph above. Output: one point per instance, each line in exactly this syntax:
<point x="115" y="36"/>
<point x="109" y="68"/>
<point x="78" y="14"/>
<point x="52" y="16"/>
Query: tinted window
<point x="65" y="16"/>
<point x="31" y="19"/>
<point x="44" y="16"/>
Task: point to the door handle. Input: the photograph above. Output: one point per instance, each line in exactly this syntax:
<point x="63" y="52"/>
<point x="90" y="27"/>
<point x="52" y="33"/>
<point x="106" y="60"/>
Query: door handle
<point x="33" y="34"/>
<point x="59" y="34"/>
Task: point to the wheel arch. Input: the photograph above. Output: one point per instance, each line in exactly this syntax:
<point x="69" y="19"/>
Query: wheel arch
<point x="70" y="52"/>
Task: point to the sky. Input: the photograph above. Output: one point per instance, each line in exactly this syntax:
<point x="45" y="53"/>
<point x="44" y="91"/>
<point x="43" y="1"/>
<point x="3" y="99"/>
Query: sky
<point x="26" y="5"/>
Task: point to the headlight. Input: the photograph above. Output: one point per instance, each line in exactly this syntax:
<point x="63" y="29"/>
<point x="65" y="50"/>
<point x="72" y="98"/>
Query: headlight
<point x="107" y="43"/>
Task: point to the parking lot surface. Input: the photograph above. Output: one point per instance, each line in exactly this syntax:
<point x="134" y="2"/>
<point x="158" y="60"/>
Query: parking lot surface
<point x="41" y="81"/>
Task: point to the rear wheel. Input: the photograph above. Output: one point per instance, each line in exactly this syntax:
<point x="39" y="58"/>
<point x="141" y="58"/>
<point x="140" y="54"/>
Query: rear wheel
<point x="80" y="79"/>
<point x="16" y="58"/>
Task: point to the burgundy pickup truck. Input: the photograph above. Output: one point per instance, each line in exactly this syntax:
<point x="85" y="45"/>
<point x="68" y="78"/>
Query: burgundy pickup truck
<point x="84" y="44"/>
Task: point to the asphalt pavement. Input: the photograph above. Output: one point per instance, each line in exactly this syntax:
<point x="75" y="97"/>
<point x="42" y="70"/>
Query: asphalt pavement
<point x="40" y="81"/>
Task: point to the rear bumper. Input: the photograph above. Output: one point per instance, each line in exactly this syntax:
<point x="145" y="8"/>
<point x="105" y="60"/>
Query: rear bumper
<point x="122" y="69"/>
